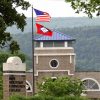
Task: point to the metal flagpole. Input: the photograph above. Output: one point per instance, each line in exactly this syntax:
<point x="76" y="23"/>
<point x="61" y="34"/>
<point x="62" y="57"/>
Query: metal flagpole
<point x="33" y="53"/>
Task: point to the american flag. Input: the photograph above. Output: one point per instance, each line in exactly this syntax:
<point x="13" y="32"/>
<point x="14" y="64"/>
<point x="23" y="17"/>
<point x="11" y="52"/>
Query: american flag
<point x="42" y="16"/>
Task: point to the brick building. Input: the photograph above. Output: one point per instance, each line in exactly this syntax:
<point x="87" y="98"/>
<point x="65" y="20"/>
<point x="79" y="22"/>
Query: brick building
<point x="54" y="56"/>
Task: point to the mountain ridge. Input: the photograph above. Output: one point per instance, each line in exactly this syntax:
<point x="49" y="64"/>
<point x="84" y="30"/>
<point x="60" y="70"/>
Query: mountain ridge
<point x="87" y="35"/>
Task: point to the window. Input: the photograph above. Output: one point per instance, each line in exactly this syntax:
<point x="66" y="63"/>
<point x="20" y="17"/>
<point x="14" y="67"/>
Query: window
<point x="37" y="44"/>
<point x="47" y="44"/>
<point x="90" y="84"/>
<point x="70" y="44"/>
<point x="53" y="44"/>
<point x="58" y="44"/>
<point x="28" y="87"/>
<point x="54" y="63"/>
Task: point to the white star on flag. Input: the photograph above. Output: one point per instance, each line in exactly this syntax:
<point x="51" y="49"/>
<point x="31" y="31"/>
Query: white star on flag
<point x="43" y="29"/>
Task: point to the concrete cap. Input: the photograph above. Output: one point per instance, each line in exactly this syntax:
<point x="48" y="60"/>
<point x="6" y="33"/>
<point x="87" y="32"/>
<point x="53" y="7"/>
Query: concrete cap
<point x="14" y="64"/>
<point x="14" y="60"/>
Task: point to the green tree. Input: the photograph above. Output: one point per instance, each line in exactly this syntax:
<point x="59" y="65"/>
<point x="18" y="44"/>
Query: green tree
<point x="9" y="16"/>
<point x="86" y="6"/>
<point x="1" y="87"/>
<point x="61" y="87"/>
<point x="14" y="47"/>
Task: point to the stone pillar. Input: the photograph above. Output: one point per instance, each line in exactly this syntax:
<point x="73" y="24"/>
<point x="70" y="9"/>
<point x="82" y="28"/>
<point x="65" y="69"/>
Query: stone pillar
<point x="14" y="77"/>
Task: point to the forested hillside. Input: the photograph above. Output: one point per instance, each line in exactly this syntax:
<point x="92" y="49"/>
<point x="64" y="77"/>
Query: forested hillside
<point x="87" y="34"/>
<point x="59" y="23"/>
<point x="87" y="47"/>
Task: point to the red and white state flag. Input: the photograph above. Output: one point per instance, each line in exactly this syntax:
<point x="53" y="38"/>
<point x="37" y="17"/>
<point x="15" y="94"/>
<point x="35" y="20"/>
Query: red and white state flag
<point x="43" y="30"/>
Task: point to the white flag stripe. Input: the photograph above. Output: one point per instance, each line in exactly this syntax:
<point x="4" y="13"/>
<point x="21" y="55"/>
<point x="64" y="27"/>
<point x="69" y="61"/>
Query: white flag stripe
<point x="43" y="15"/>
<point x="43" y="18"/>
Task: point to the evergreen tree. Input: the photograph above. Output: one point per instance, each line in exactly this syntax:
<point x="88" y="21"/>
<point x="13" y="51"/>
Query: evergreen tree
<point x="14" y="47"/>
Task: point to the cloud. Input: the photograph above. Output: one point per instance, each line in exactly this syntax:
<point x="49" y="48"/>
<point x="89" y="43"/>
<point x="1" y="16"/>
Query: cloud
<point x="56" y="8"/>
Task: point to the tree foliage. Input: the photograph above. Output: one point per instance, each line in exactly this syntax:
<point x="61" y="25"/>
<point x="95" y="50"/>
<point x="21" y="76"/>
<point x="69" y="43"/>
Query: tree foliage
<point x="4" y="56"/>
<point x="4" y="36"/>
<point x="9" y="16"/>
<point x="61" y="87"/>
<point x="46" y="97"/>
<point x="1" y="87"/>
<point x="57" y="89"/>
<point x="14" y="47"/>
<point x="86" y="6"/>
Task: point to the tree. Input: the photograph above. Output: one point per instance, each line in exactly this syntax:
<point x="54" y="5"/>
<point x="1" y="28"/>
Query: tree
<point x="9" y="16"/>
<point x="86" y="6"/>
<point x="1" y="87"/>
<point x="61" y="87"/>
<point x="14" y="47"/>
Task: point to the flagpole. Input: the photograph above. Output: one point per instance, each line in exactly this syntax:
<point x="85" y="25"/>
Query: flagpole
<point x="33" y="53"/>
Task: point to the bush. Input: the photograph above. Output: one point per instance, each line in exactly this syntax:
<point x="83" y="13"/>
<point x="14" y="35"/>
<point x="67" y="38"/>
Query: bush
<point x="3" y="57"/>
<point x="46" y="97"/>
<point x="58" y="87"/>
<point x="17" y="97"/>
<point x="1" y="87"/>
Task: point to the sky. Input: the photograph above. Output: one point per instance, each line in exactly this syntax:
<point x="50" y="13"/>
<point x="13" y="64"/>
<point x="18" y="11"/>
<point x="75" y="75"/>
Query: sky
<point x="56" y="8"/>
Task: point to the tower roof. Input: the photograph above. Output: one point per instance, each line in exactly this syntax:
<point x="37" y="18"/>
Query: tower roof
<point x="57" y="36"/>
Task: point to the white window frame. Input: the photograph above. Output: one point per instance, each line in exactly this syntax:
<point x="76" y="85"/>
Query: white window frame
<point x="30" y="86"/>
<point x="94" y="81"/>
<point x="50" y="63"/>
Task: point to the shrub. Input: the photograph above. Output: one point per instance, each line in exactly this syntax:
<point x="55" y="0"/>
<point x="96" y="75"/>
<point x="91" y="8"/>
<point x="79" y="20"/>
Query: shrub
<point x="61" y="86"/>
<point x="1" y="87"/>
<point x="17" y="97"/>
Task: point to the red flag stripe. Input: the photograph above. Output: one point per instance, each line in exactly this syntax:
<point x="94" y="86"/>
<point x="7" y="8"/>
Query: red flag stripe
<point x="43" y="18"/>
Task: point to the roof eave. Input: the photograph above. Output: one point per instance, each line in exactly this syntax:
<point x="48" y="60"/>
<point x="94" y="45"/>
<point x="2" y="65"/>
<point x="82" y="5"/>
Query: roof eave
<point x="56" y="40"/>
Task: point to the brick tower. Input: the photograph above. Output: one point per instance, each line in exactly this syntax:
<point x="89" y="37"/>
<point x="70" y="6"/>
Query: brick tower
<point x="54" y="56"/>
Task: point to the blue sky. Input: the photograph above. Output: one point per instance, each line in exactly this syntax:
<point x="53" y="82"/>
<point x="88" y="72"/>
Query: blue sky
<point x="56" y="8"/>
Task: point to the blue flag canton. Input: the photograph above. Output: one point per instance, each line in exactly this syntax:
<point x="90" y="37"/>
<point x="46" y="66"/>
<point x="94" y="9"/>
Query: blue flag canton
<point x="38" y="12"/>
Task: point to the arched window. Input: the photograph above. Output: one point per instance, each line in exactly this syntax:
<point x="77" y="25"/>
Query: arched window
<point x="91" y="84"/>
<point x="28" y="87"/>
